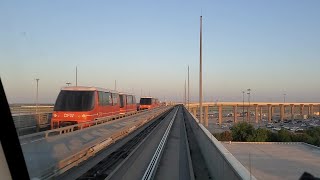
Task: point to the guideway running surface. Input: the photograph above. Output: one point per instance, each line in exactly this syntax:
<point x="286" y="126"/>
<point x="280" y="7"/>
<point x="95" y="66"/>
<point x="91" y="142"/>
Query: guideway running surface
<point x="174" y="161"/>
<point x="45" y="156"/>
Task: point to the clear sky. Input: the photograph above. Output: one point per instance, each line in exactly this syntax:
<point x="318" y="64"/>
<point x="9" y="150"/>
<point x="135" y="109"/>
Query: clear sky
<point x="271" y="46"/>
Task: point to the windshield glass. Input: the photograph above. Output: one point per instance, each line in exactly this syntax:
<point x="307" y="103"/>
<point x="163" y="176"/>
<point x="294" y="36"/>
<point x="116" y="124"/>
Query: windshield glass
<point x="145" y="101"/>
<point x="74" y="101"/>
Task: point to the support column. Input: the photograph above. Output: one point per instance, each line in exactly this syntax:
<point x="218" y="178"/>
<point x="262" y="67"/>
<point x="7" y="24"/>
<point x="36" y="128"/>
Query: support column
<point x="269" y="112"/>
<point x="206" y="115"/>
<point x="235" y="113"/>
<point x="272" y="112"/>
<point x="281" y="112"/>
<point x="256" y="112"/>
<point x="248" y="114"/>
<point x="194" y="111"/>
<point x="292" y="111"/>
<point x="261" y="115"/>
<point x="301" y="110"/>
<point x="311" y="110"/>
<point x="220" y="114"/>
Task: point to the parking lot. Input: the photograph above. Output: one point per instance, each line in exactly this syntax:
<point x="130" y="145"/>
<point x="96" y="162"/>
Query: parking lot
<point x="296" y="125"/>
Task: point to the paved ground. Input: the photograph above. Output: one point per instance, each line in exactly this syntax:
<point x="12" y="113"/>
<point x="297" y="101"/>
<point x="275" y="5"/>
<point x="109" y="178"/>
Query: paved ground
<point x="277" y="161"/>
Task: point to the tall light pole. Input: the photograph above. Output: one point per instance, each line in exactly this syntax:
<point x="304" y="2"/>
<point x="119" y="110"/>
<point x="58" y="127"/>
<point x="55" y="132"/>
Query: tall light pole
<point x="76" y="76"/>
<point x="200" y="76"/>
<point x="188" y="88"/>
<point x="185" y="92"/>
<point x="37" y="97"/>
<point x="243" y="106"/>
<point x="249" y="114"/>
<point x="284" y="98"/>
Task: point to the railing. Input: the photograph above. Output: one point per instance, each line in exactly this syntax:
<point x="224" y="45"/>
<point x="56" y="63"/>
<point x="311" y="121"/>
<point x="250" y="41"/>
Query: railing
<point x="68" y="129"/>
<point x="220" y="162"/>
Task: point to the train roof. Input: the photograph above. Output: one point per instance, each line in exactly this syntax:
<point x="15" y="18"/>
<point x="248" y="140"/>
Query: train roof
<point x="130" y="94"/>
<point x="148" y="97"/>
<point x="86" y="88"/>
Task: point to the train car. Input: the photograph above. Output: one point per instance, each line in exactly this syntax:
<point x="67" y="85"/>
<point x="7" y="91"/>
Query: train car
<point x="148" y="103"/>
<point x="80" y="104"/>
<point x="127" y="103"/>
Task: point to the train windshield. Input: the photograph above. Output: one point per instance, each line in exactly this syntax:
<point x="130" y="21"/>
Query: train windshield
<point x="75" y="101"/>
<point x="145" y="101"/>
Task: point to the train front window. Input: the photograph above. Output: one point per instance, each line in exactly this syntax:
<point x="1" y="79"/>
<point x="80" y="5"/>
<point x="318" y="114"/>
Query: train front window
<point x="75" y="101"/>
<point x="145" y="101"/>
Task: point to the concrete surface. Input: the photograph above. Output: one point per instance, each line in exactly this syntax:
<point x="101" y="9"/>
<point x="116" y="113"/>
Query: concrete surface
<point x="277" y="161"/>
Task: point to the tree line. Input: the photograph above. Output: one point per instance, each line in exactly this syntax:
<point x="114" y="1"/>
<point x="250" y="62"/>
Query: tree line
<point x="245" y="132"/>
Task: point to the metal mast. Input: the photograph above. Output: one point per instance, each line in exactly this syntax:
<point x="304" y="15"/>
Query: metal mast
<point x="188" y="88"/>
<point x="200" y="84"/>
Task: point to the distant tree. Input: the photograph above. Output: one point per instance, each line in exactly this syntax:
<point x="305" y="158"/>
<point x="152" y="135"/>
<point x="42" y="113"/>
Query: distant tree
<point x="314" y="132"/>
<point x="260" y="135"/>
<point x="273" y="137"/>
<point x="284" y="136"/>
<point x="301" y="137"/>
<point x="217" y="136"/>
<point x="242" y="131"/>
<point x="226" y="136"/>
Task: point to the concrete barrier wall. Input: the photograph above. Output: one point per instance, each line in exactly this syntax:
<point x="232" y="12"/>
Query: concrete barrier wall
<point x="220" y="162"/>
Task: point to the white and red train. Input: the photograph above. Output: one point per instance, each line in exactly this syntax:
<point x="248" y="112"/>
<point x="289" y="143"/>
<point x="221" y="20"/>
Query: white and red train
<point x="80" y="104"/>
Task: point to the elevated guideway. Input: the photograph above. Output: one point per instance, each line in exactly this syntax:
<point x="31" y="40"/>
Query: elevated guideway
<point x="49" y="156"/>
<point x="163" y="143"/>
<point x="177" y="148"/>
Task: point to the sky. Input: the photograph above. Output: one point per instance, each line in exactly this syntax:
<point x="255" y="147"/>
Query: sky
<point x="271" y="47"/>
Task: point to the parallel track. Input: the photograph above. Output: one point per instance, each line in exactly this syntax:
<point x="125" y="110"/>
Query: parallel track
<point x="107" y="165"/>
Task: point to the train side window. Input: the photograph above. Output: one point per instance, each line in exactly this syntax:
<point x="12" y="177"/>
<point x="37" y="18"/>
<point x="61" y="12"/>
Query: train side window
<point x="114" y="98"/>
<point x="107" y="98"/>
<point x="134" y="100"/>
<point x="129" y="99"/>
<point x="122" y="100"/>
<point x="100" y="98"/>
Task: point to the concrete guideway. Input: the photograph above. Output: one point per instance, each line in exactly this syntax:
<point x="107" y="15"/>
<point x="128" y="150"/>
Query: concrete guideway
<point x="176" y="161"/>
<point x="164" y="154"/>
<point x="136" y="164"/>
<point x="49" y="157"/>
